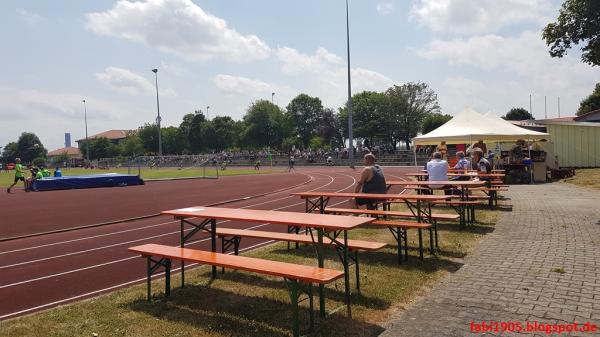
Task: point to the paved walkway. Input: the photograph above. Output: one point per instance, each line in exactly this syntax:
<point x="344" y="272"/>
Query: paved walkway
<point x="509" y="277"/>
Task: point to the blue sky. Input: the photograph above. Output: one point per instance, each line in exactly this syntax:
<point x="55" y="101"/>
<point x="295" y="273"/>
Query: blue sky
<point x="484" y="54"/>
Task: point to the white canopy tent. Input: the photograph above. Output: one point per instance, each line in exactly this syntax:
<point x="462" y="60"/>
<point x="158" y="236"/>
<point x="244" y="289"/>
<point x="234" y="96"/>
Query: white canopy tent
<point x="469" y="126"/>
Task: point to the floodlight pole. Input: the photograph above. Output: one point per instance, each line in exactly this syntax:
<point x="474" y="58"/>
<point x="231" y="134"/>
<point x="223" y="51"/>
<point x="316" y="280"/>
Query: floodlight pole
<point x="272" y="95"/>
<point x="155" y="71"/>
<point x="87" y="143"/>
<point x="350" y="138"/>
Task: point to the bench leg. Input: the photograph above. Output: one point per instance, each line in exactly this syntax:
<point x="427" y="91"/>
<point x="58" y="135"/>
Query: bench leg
<point x="321" y="264"/>
<point x="436" y="234"/>
<point x="431" y="240"/>
<point x="405" y="238"/>
<point x="213" y="236"/>
<point x="294" y="299"/>
<point x="168" y="278"/>
<point x="346" y="274"/>
<point x="149" y="279"/>
<point x="421" y="244"/>
<point x="357" y="271"/>
<point x="397" y="234"/>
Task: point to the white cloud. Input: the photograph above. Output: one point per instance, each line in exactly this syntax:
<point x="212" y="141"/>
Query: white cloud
<point x="173" y="68"/>
<point x="29" y="17"/>
<point x="525" y="56"/>
<point x="179" y="27"/>
<point x="481" y="16"/>
<point x="241" y="85"/>
<point x="294" y="62"/>
<point x="328" y="75"/>
<point x="128" y="82"/>
<point x="385" y="8"/>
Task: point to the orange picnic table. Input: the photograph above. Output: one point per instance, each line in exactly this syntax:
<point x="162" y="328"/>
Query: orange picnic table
<point x="463" y="185"/>
<point x="331" y="226"/>
<point x="317" y="201"/>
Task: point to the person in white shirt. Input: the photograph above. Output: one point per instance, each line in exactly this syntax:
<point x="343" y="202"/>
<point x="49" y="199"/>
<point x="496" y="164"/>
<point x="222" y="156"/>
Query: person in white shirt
<point x="437" y="169"/>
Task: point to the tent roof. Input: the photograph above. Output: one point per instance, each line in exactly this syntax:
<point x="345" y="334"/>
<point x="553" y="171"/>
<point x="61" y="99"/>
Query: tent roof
<point x="469" y="126"/>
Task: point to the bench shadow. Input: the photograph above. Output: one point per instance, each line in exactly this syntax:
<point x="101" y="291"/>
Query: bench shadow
<point x="335" y="291"/>
<point x="387" y="257"/>
<point x="475" y="228"/>
<point x="231" y="314"/>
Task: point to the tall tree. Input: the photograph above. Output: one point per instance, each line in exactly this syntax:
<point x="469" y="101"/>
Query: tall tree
<point x="132" y="145"/>
<point x="101" y="148"/>
<point x="10" y="152"/>
<point x="406" y="107"/>
<point x="368" y="115"/>
<point x="434" y="121"/>
<point x="518" y="114"/>
<point x="577" y="23"/>
<point x="590" y="103"/>
<point x="225" y="133"/>
<point x="197" y="133"/>
<point x="330" y="128"/>
<point x="264" y="125"/>
<point x="30" y="147"/>
<point x="148" y="134"/>
<point x="174" y="141"/>
<point x="303" y="114"/>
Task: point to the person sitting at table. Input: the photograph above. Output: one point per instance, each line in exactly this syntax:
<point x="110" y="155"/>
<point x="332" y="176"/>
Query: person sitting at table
<point x="462" y="164"/>
<point x="437" y="170"/>
<point x="371" y="180"/>
<point x="482" y="164"/>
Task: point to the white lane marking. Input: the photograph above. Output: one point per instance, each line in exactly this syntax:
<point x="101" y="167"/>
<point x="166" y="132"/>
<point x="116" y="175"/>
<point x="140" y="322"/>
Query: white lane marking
<point x="132" y="241"/>
<point x="16" y="313"/>
<point x="123" y="231"/>
<point x="142" y="279"/>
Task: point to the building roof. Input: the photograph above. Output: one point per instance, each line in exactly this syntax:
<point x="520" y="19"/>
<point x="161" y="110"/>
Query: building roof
<point x="70" y="151"/>
<point x="588" y="114"/>
<point x="110" y="134"/>
<point x="557" y="120"/>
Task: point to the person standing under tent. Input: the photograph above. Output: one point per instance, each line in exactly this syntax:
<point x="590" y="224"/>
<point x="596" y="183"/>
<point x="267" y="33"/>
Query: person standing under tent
<point x="442" y="149"/>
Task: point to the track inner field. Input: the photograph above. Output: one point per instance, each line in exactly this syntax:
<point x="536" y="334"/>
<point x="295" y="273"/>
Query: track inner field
<point x="45" y="271"/>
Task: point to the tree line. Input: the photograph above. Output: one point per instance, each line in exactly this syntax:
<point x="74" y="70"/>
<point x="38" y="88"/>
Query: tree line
<point x="389" y="117"/>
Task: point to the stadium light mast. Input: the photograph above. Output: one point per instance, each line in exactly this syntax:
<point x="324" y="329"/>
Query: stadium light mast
<point x="350" y="138"/>
<point x="155" y="71"/>
<point x="207" y="107"/>
<point x="272" y="95"/>
<point x="87" y="143"/>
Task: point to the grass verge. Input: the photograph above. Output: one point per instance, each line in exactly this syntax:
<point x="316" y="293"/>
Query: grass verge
<point x="586" y="178"/>
<point x="243" y="304"/>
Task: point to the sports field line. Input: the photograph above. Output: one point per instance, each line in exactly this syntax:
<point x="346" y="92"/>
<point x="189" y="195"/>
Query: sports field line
<point x="143" y="239"/>
<point x="145" y="227"/>
<point x="160" y="274"/>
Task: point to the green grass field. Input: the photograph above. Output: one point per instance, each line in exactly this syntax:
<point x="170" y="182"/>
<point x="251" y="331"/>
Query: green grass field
<point x="6" y="179"/>
<point x="244" y="304"/>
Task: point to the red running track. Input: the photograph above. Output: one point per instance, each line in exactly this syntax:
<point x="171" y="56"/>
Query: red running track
<point x="44" y="271"/>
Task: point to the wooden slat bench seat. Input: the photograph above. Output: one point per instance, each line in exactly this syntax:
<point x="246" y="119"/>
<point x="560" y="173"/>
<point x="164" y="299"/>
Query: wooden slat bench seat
<point x="296" y="276"/>
<point x="399" y="214"/>
<point x="237" y="234"/>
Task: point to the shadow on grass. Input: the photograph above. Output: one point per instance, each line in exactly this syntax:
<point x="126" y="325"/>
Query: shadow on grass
<point x="476" y="228"/>
<point x="221" y="312"/>
<point x="332" y="292"/>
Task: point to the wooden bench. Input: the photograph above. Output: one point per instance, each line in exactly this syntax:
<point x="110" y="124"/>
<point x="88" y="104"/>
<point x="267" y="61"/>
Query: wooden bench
<point x="399" y="231"/>
<point x="299" y="278"/>
<point x="437" y="216"/>
<point x="464" y="208"/>
<point x="237" y="234"/>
